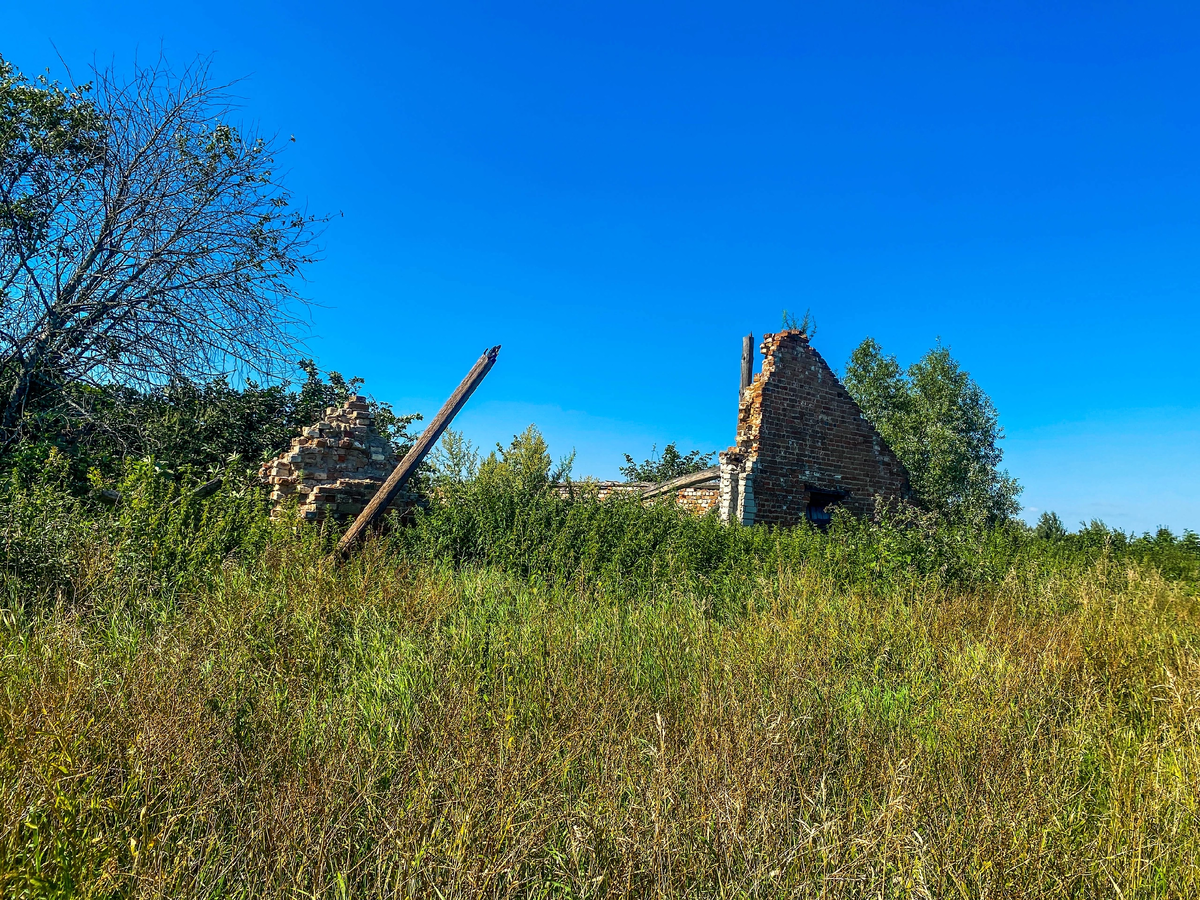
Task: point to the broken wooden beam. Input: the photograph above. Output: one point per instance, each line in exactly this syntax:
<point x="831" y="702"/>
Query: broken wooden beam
<point x="207" y="489"/>
<point x="395" y="482"/>
<point x="683" y="481"/>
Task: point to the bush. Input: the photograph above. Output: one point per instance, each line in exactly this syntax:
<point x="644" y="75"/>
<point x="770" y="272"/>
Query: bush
<point x="670" y="464"/>
<point x="160" y="538"/>
<point x="184" y="426"/>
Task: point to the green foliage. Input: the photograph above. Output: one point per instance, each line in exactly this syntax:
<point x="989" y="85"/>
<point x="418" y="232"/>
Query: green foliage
<point x="513" y="518"/>
<point x="183" y="426"/>
<point x="454" y="460"/>
<point x="586" y="699"/>
<point x="43" y="525"/>
<point x="1177" y="558"/>
<point x="942" y="426"/>
<point x="806" y="324"/>
<point x="49" y="135"/>
<point x="513" y="521"/>
<point x="671" y="464"/>
<point x="524" y="467"/>
<point x="1050" y="527"/>
<point x="55" y="543"/>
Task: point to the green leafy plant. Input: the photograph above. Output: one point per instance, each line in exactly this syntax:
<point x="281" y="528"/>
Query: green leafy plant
<point x="806" y="324"/>
<point x="941" y="425"/>
<point x="667" y="465"/>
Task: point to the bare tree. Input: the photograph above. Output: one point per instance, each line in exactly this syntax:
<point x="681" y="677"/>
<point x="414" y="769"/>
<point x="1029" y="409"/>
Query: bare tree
<point x="143" y="236"/>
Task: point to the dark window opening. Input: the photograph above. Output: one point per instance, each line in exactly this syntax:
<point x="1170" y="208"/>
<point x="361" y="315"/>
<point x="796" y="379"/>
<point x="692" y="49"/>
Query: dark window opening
<point x="820" y="508"/>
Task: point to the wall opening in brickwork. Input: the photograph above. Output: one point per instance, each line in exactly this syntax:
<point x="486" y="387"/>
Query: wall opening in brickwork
<point x="819" y="510"/>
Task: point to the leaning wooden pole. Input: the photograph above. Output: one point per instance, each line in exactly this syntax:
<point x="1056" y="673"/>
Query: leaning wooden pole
<point x="400" y="475"/>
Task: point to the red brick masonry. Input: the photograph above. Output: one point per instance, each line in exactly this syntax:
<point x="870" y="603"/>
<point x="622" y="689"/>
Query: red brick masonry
<point x="335" y="467"/>
<point x="803" y="442"/>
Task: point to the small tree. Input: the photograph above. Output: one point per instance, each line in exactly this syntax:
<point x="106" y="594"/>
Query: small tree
<point x="941" y="425"/>
<point x="144" y="237"/>
<point x="671" y="464"/>
<point x="1050" y="527"/>
<point x="525" y="464"/>
<point x="454" y="460"/>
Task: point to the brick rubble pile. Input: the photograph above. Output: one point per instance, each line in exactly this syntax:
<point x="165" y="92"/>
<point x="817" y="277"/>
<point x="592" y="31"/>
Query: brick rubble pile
<point x="334" y="467"/>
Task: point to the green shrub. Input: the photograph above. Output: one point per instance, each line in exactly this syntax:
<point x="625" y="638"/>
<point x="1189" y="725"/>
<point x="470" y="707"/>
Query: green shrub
<point x="159" y="538"/>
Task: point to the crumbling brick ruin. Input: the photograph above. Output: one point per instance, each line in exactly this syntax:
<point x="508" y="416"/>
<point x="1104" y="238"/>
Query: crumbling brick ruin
<point x="803" y="446"/>
<point x="699" y="498"/>
<point x="335" y="467"/>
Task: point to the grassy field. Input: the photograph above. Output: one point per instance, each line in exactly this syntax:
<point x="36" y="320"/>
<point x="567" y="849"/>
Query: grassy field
<point x="556" y="699"/>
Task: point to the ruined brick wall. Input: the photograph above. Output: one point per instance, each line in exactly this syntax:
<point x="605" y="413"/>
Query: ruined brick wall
<point x="698" y="499"/>
<point x="601" y="490"/>
<point x="334" y="467"/>
<point x="801" y="438"/>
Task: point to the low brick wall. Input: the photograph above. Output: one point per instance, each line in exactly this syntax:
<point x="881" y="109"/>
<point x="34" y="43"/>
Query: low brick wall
<point x="699" y="499"/>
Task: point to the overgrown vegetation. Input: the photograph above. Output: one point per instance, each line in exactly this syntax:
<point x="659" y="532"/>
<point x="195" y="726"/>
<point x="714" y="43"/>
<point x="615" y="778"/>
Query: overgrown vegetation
<point x="144" y="238"/>
<point x="531" y="695"/>
<point x="525" y="693"/>
<point x="183" y="428"/>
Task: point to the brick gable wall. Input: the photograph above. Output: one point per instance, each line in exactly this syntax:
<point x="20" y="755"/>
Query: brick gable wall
<point x="800" y="431"/>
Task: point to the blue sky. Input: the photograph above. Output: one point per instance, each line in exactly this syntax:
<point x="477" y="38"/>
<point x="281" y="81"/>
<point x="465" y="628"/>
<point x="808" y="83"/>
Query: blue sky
<point x="617" y="193"/>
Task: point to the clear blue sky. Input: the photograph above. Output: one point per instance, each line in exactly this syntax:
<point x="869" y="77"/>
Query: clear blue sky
<point x="617" y="193"/>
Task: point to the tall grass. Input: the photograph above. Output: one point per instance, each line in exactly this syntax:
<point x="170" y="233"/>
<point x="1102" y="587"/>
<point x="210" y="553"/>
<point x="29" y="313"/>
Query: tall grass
<point x="523" y="696"/>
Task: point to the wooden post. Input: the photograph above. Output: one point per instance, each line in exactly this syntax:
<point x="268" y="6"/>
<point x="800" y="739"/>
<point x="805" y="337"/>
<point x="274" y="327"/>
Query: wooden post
<point x="400" y="475"/>
<point x="747" y="362"/>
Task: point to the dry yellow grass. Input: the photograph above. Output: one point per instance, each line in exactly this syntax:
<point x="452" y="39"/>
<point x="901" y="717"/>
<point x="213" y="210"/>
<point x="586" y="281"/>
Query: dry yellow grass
<point x="386" y="729"/>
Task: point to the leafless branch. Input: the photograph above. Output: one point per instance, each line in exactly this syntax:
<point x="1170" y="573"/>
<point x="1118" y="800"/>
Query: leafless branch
<point x="169" y="248"/>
